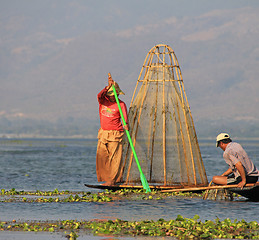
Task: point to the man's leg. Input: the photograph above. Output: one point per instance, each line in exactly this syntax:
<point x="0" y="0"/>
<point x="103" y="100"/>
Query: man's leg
<point x="102" y="156"/>
<point x="114" y="164"/>
<point x="220" y="180"/>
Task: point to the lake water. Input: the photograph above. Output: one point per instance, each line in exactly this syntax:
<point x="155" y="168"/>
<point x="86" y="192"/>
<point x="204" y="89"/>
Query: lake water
<point x="65" y="164"/>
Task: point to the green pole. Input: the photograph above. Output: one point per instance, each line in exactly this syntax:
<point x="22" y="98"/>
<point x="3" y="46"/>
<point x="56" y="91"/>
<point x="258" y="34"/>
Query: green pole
<point x="142" y="176"/>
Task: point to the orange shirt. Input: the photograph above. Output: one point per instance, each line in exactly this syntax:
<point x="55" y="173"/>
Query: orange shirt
<point x="110" y="118"/>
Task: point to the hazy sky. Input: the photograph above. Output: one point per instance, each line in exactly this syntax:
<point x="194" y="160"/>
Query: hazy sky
<point x="111" y="15"/>
<point x="55" y="54"/>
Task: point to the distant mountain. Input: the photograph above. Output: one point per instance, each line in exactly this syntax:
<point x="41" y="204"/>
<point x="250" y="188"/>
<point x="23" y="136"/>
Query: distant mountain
<point x="51" y="69"/>
<point x="87" y="128"/>
<point x="237" y="129"/>
<point x="77" y="128"/>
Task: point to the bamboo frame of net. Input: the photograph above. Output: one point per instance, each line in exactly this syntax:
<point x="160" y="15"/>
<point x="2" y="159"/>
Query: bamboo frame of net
<point x="161" y="58"/>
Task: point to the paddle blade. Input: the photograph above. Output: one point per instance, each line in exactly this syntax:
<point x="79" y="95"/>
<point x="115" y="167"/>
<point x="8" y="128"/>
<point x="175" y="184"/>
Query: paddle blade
<point x="144" y="183"/>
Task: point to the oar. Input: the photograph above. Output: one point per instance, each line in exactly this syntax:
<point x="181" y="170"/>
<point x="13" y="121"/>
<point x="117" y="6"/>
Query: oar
<point x="142" y="176"/>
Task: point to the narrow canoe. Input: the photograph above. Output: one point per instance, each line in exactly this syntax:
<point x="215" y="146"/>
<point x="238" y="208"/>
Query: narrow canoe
<point x="250" y="191"/>
<point x="124" y="186"/>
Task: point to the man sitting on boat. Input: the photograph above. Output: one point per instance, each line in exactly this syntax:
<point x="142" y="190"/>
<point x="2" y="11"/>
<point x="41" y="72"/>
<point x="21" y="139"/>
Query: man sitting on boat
<point x="241" y="169"/>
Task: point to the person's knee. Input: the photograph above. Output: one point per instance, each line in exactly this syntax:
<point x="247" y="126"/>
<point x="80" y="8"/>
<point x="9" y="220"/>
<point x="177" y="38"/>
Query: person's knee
<point x="215" y="179"/>
<point x="220" y="180"/>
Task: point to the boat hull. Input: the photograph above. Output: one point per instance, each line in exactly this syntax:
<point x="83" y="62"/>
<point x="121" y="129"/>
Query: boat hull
<point x="252" y="193"/>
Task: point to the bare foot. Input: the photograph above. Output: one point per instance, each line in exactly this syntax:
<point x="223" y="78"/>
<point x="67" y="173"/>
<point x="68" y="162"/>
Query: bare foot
<point x="108" y="184"/>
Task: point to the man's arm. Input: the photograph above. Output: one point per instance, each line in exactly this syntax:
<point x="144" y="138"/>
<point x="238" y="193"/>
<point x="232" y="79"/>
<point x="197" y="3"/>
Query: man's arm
<point x="227" y="172"/>
<point x="242" y="173"/>
<point x="125" y="114"/>
<point x="101" y="95"/>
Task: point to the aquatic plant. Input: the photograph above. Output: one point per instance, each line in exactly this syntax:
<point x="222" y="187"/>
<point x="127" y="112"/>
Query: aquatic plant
<point x="13" y="191"/>
<point x="182" y="228"/>
<point x="104" y="196"/>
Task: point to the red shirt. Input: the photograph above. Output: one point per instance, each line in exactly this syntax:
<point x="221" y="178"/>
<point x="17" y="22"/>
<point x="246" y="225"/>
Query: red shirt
<point x="110" y="118"/>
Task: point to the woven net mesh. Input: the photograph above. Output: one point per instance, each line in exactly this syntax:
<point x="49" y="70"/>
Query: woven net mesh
<point x="161" y="126"/>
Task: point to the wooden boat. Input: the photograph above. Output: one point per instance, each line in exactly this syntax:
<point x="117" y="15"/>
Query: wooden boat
<point x="124" y="186"/>
<point x="250" y="191"/>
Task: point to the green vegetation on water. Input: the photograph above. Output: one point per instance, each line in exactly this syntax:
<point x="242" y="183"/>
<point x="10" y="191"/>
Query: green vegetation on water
<point x="182" y="228"/>
<point x="106" y="196"/>
<point x="67" y="196"/>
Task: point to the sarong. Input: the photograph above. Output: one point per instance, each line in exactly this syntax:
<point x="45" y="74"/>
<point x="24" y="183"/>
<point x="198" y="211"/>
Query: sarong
<point x="108" y="156"/>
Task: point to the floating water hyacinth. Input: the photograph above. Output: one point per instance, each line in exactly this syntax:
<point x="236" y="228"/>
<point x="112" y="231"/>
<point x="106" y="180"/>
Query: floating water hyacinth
<point x="183" y="228"/>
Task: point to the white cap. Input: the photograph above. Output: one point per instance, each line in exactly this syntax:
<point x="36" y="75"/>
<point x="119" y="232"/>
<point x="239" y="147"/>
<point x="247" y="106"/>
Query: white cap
<point x="220" y="137"/>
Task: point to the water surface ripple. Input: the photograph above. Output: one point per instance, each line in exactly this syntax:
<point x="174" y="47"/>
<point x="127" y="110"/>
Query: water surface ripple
<point x="46" y="164"/>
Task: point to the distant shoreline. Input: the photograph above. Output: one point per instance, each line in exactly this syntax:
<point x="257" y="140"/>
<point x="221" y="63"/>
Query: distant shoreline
<point x="92" y="137"/>
<point x="28" y="136"/>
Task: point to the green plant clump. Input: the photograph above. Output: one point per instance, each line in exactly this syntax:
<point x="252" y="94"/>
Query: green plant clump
<point x="181" y="228"/>
<point x="105" y="196"/>
<point x="51" y="196"/>
<point x="13" y="191"/>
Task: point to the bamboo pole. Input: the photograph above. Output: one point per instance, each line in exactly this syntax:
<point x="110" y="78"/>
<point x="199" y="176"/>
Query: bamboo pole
<point x="140" y="110"/>
<point x="136" y="130"/>
<point x="172" y="80"/>
<point x="146" y="66"/>
<point x="164" y="122"/>
<point x="135" y="113"/>
<point x="170" y="70"/>
<point x="184" y="111"/>
<point x="180" y="122"/>
<point x="172" y="57"/>
<point x="200" y="162"/>
<point x="207" y="191"/>
<point x="132" y="128"/>
<point x="177" y="135"/>
<point x="176" y="109"/>
<point x="153" y="135"/>
<point x="179" y="115"/>
<point x="140" y="74"/>
<point x="161" y="80"/>
<point x="189" y="189"/>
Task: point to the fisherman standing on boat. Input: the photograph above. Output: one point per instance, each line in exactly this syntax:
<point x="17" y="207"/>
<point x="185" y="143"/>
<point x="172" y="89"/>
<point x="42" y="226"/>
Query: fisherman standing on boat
<point x="241" y="169"/>
<point x="109" y="149"/>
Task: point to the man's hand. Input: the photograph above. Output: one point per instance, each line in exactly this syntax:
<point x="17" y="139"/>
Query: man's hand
<point x="110" y="81"/>
<point x="126" y="127"/>
<point x="241" y="184"/>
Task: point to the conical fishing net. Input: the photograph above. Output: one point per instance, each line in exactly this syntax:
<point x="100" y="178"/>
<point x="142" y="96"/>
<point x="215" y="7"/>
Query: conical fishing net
<point x="161" y="126"/>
